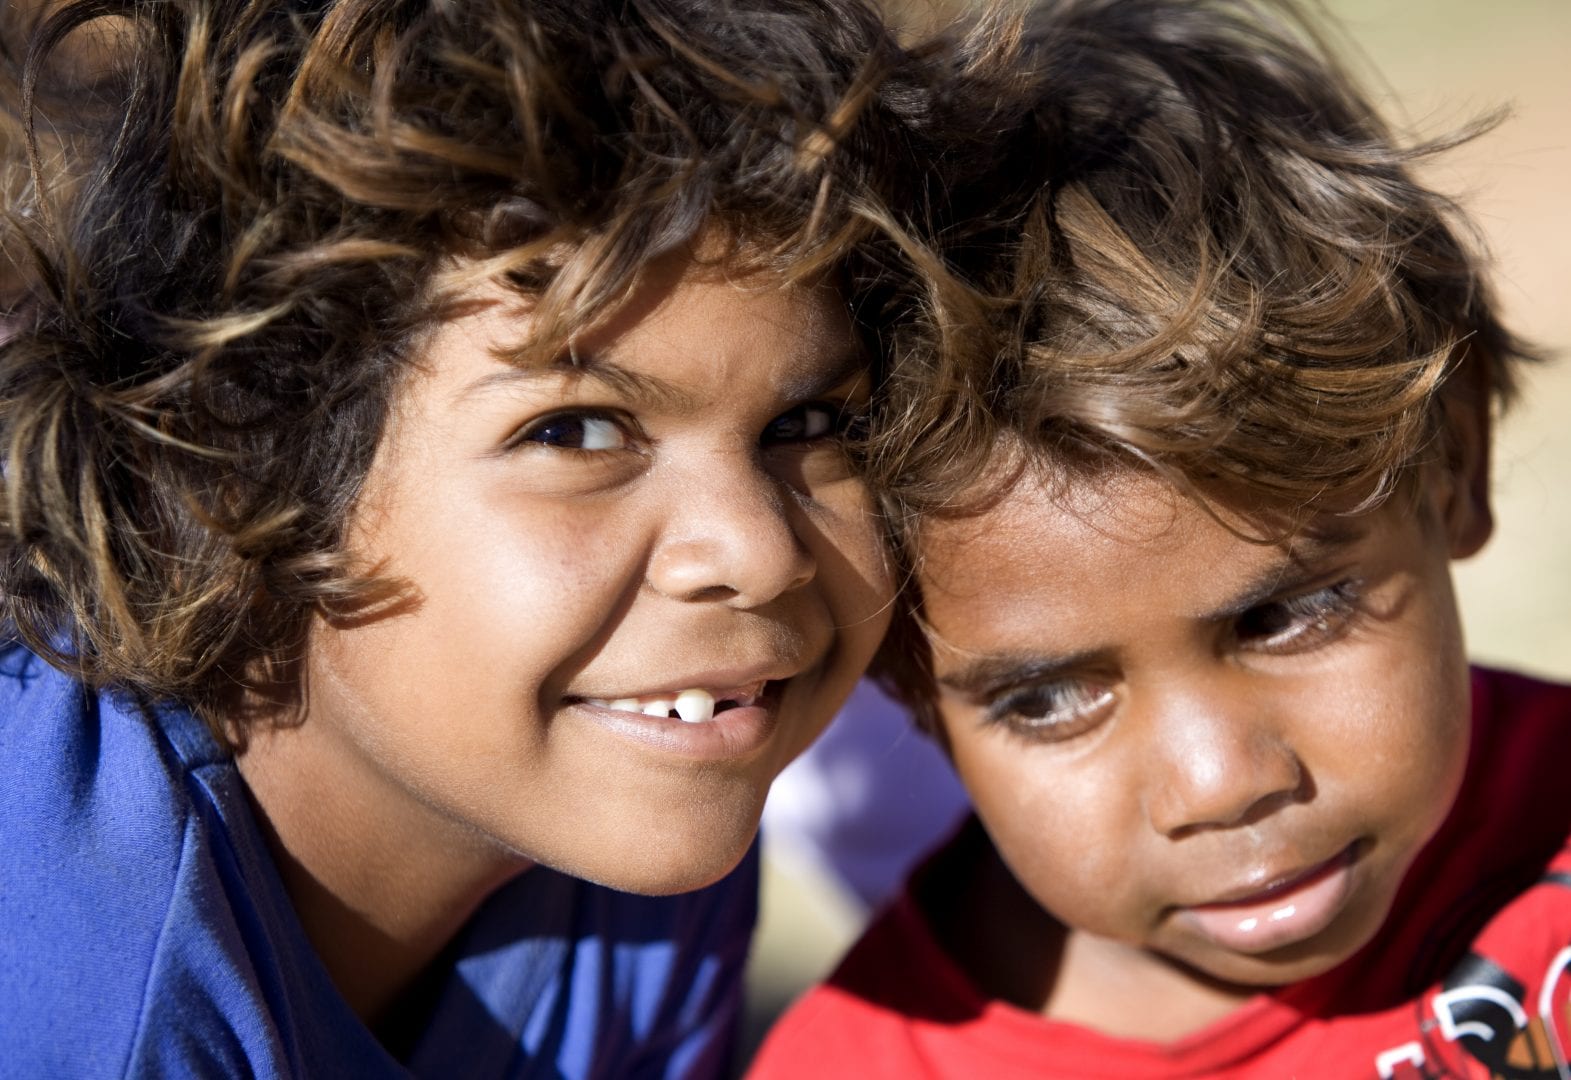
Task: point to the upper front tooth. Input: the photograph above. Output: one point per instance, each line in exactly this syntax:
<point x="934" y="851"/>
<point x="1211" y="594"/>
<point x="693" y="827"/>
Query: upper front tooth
<point x="624" y="704"/>
<point x="656" y="708"/>
<point x="695" y="706"/>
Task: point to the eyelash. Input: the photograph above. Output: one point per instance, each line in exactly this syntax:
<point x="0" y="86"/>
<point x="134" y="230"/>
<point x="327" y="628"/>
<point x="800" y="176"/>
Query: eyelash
<point x="1025" y="712"/>
<point x="838" y="419"/>
<point x="1303" y="622"/>
<point x="842" y="419"/>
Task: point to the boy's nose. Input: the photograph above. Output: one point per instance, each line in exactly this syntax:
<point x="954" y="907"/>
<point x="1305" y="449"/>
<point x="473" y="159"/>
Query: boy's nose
<point x="733" y="540"/>
<point x="1219" y="767"/>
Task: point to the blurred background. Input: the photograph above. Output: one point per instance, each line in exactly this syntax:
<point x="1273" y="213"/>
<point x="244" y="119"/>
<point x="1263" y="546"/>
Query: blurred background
<point x="1431" y="65"/>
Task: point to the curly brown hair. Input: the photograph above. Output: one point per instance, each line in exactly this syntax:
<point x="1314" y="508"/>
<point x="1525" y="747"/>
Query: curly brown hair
<point x="1212" y="260"/>
<point x="230" y="235"/>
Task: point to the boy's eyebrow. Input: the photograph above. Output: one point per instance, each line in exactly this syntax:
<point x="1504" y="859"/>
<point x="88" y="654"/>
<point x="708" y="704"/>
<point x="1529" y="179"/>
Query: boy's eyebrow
<point x="985" y="674"/>
<point x="1304" y="560"/>
<point x="1305" y="557"/>
<point x="628" y="384"/>
<point x="652" y="389"/>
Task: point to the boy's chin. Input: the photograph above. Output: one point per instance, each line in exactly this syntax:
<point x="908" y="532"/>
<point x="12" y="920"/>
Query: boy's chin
<point x="1251" y="972"/>
<point x="663" y="858"/>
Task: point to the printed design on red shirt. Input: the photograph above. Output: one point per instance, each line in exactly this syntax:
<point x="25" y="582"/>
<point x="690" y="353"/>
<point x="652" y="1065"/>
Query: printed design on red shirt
<point x="1482" y="1013"/>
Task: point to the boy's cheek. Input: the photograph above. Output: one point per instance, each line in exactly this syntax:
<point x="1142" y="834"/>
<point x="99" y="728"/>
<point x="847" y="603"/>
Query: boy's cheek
<point x="1073" y="846"/>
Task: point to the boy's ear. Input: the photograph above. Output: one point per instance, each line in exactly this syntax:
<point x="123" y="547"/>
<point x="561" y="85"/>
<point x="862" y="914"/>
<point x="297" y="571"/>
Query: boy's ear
<point x="1466" y="421"/>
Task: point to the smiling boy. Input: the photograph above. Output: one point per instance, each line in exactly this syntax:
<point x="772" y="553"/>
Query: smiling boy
<point x="1183" y="618"/>
<point x="424" y="472"/>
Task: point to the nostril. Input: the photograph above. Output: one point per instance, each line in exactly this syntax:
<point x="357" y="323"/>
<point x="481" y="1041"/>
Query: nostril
<point x="713" y="594"/>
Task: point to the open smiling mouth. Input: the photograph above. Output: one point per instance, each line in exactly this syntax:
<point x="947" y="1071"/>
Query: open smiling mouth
<point x="692" y="706"/>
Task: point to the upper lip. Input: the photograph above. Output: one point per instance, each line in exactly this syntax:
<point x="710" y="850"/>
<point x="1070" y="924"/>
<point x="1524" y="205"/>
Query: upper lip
<point x="1265" y="883"/>
<point x="720" y="683"/>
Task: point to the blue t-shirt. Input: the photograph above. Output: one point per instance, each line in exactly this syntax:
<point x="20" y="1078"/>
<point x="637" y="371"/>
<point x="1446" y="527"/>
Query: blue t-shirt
<point x="144" y="930"/>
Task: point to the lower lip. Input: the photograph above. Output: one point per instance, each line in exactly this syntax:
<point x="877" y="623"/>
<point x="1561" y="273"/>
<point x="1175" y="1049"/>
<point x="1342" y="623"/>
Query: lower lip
<point x="738" y="732"/>
<point x="1282" y="917"/>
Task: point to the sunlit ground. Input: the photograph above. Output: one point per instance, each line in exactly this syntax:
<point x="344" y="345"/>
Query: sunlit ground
<point x="1440" y="62"/>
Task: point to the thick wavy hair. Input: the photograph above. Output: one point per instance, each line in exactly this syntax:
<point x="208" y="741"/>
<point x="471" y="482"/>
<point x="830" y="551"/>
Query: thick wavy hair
<point x="226" y="233"/>
<point x="1211" y="259"/>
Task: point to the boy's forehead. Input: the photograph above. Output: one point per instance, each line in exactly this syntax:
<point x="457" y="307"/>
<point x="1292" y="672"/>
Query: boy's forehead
<point x="685" y="328"/>
<point x="1039" y="508"/>
<point x="1052" y="573"/>
<point x="680" y="293"/>
<point x="1044" y="526"/>
<point x="663" y="292"/>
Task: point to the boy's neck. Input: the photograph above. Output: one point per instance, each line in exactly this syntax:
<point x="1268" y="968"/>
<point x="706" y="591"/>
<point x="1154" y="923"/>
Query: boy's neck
<point x="1014" y="951"/>
<point x="1131" y="993"/>
<point x="377" y="911"/>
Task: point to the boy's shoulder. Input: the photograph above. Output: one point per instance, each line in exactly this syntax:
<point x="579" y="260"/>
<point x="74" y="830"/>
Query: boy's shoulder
<point x="560" y="977"/>
<point x="1514" y="809"/>
<point x="893" y="990"/>
<point x="144" y="929"/>
<point x="94" y="820"/>
<point x="1533" y="706"/>
<point x="118" y="904"/>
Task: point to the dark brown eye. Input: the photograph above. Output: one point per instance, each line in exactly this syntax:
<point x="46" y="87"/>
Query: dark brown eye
<point x="815" y="420"/>
<point x="577" y="431"/>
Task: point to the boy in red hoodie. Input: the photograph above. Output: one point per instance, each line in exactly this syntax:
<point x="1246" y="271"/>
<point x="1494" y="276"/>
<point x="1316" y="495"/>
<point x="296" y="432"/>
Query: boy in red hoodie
<point x="1181" y="610"/>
